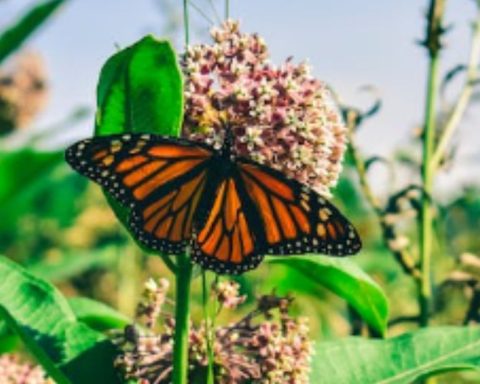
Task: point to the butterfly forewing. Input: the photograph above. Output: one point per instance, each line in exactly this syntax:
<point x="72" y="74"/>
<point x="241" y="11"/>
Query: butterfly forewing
<point x="296" y="219"/>
<point x="160" y="179"/>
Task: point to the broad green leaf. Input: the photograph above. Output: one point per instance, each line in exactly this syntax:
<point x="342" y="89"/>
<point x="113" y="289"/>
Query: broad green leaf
<point x="400" y="360"/>
<point x="140" y="90"/>
<point x="12" y="38"/>
<point x="347" y="280"/>
<point x="97" y="315"/>
<point x="43" y="319"/>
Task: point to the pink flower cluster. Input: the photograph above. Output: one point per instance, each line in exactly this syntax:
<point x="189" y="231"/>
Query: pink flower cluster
<point x="284" y="351"/>
<point x="266" y="346"/>
<point x="280" y="116"/>
<point x="228" y="294"/>
<point x="15" y="371"/>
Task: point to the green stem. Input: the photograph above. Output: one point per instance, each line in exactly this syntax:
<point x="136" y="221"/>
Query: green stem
<point x="182" y="320"/>
<point x="183" y="279"/>
<point x="434" y="31"/>
<point x="186" y="23"/>
<point x="403" y="256"/>
<point x="426" y="209"/>
<point x="208" y="329"/>
<point x="464" y="98"/>
<point x="227" y="9"/>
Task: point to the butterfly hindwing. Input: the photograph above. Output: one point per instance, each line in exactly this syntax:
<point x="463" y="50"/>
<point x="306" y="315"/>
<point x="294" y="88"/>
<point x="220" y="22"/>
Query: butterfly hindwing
<point x="167" y="223"/>
<point x="160" y="179"/>
<point x="226" y="240"/>
<point x="295" y="218"/>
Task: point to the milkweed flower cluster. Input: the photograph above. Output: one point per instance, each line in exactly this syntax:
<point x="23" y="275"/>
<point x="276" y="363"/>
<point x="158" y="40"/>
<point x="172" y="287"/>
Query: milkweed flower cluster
<point x="23" y="92"/>
<point x="154" y="296"/>
<point x="266" y="346"/>
<point x="228" y="294"/>
<point x="280" y="115"/>
<point x="15" y="371"/>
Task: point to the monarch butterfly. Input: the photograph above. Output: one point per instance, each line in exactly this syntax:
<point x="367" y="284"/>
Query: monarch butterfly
<point x="230" y="210"/>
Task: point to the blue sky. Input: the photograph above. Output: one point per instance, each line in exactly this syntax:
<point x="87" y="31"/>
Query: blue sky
<point x="349" y="44"/>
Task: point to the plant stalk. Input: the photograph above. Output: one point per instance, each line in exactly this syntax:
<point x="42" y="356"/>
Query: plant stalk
<point x="464" y="98"/>
<point x="186" y="24"/>
<point x="182" y="320"/>
<point x="434" y="32"/>
<point x="208" y="329"/>
<point x="183" y="279"/>
<point x="402" y="256"/>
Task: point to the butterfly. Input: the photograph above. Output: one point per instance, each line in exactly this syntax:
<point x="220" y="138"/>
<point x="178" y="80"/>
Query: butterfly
<point x="228" y="210"/>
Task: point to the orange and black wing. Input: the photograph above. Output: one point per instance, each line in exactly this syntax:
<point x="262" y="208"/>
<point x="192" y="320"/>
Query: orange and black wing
<point x="294" y="218"/>
<point x="160" y="179"/>
<point x="226" y="241"/>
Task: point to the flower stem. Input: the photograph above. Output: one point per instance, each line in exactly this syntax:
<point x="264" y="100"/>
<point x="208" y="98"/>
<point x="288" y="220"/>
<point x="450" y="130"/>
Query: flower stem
<point x="182" y="320"/>
<point x="183" y="280"/>
<point x="185" y="24"/>
<point x="208" y="329"/>
<point x="434" y="31"/>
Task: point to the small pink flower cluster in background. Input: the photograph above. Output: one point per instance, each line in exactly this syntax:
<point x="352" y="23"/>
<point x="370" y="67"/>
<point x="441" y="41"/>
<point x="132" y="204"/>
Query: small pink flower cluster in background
<point x="228" y="294"/>
<point x="280" y="116"/>
<point x="153" y="299"/>
<point x="266" y="346"/>
<point x="15" y="371"/>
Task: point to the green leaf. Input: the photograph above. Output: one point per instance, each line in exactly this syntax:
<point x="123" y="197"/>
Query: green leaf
<point x="16" y="34"/>
<point x="140" y="90"/>
<point x="347" y="280"/>
<point x="43" y="319"/>
<point x="399" y="360"/>
<point x="98" y="315"/>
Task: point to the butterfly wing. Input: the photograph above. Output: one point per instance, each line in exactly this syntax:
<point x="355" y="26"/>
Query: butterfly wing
<point x="160" y="179"/>
<point x="227" y="241"/>
<point x="295" y="218"/>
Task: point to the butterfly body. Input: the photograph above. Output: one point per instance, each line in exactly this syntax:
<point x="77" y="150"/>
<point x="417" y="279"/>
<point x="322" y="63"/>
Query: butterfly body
<point x="230" y="211"/>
